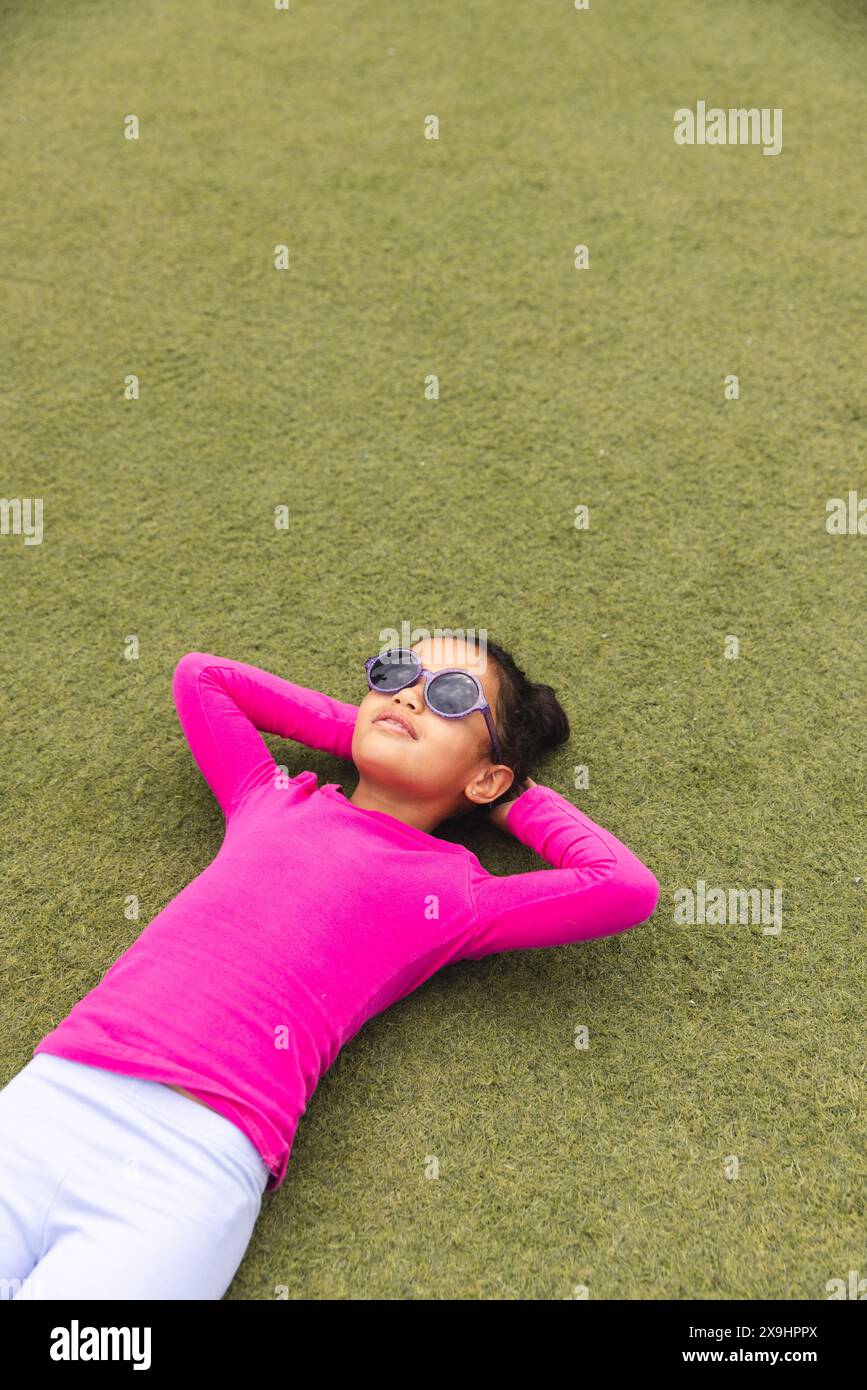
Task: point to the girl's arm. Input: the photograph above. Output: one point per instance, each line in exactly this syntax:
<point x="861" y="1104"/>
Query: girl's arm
<point x="596" y="885"/>
<point x="221" y="704"/>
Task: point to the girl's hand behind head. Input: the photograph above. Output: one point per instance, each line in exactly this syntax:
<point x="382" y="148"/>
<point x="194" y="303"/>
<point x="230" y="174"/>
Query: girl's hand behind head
<point x="497" y="814"/>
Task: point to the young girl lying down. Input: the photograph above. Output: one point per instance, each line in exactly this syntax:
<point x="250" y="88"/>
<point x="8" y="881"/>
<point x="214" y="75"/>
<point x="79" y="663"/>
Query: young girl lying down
<point x="138" y="1140"/>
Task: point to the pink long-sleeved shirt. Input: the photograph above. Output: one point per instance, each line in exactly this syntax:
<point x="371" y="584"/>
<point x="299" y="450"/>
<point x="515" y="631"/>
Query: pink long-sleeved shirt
<point x="316" y="914"/>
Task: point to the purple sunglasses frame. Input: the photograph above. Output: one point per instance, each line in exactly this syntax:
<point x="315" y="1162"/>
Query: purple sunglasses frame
<point x="421" y="672"/>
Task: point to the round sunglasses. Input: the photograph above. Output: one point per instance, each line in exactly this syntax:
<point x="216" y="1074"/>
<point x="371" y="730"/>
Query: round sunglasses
<point x="451" y="692"/>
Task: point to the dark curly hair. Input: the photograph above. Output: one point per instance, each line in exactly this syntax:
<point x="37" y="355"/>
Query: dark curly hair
<point x="530" y="719"/>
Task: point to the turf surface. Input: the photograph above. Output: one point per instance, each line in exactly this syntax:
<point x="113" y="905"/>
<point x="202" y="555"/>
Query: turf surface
<point x="607" y="1170"/>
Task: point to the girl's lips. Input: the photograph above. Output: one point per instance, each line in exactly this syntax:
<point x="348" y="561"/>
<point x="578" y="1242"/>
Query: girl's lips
<point x="388" y="723"/>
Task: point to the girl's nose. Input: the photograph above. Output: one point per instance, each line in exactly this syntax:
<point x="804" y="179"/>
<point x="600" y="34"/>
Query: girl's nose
<point x="412" y="696"/>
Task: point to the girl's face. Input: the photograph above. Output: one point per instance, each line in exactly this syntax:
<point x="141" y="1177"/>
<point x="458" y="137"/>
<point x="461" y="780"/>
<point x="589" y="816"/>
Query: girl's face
<point x="440" y="760"/>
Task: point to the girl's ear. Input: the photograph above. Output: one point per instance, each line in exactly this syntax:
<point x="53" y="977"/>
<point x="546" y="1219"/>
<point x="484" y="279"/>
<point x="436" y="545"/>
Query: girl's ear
<point x="503" y="779"/>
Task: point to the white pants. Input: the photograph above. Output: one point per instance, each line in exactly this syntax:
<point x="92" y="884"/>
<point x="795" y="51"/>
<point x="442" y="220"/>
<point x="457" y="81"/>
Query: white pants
<point x="112" y="1187"/>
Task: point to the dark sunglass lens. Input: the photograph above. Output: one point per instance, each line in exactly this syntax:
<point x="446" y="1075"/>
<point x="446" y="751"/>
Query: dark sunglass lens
<point x="452" y="693"/>
<point x="392" y="670"/>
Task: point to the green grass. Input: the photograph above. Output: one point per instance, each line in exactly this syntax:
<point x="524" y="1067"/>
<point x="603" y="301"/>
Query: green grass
<point x="558" y="1168"/>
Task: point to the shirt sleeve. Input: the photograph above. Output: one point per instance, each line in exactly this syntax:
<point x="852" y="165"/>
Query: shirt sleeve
<point x="222" y="704"/>
<point x="595" y="887"/>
